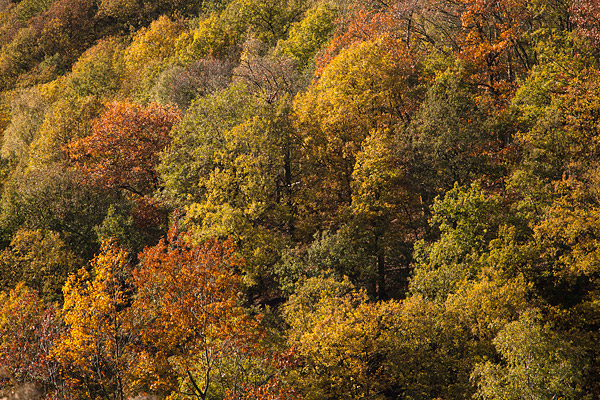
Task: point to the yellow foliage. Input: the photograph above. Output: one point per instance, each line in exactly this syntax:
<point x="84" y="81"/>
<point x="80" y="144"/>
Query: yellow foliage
<point x="152" y="45"/>
<point x="485" y="306"/>
<point x="96" y="341"/>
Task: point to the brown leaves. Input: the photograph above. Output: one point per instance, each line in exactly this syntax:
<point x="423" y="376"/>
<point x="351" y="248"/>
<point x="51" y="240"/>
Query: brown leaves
<point x="27" y="332"/>
<point x="123" y="150"/>
<point x="586" y="14"/>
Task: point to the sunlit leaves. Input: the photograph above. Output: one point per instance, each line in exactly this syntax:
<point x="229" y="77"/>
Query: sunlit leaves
<point x="28" y="330"/>
<point x="186" y="313"/>
<point x="353" y="348"/>
<point x="369" y="86"/>
<point x="40" y="259"/>
<point x="123" y="150"/>
<point x="465" y="220"/>
<point x="27" y="113"/>
<point x="306" y="37"/>
<point x="93" y="352"/>
<point x="538" y="364"/>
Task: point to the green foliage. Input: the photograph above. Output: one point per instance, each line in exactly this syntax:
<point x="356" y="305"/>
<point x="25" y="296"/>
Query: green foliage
<point x="247" y="188"/>
<point x="308" y="36"/>
<point x="467" y="219"/>
<point x="54" y="199"/>
<point x="268" y="20"/>
<point x="119" y="225"/>
<point x="98" y="72"/>
<point x="457" y="134"/>
<point x="28" y="9"/>
<point x="41" y="260"/>
<point x="196" y="139"/>
<point x="538" y="364"/>
<point x="343" y="253"/>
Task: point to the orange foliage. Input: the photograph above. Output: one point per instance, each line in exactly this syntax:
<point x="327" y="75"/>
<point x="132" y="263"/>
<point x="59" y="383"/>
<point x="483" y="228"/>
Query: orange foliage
<point x="122" y="151"/>
<point x="361" y="26"/>
<point x="186" y="312"/>
<point x="492" y="40"/>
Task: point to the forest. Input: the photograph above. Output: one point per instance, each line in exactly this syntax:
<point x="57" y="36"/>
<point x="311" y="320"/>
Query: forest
<point x="300" y="199"/>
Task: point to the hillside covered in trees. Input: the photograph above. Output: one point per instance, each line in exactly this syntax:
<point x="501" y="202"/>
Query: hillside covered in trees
<point x="300" y="199"/>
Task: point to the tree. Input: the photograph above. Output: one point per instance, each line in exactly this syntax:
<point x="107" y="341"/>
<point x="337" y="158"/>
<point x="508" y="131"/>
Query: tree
<point x="149" y="53"/>
<point x="122" y="151"/>
<point x="270" y="77"/>
<point x="234" y="163"/>
<point x="27" y="109"/>
<point x="94" y="351"/>
<point x="77" y="100"/>
<point x="306" y="37"/>
<point x="466" y="218"/>
<point x="269" y="20"/>
<point x="197" y="140"/>
<point x="180" y="86"/>
<point x="194" y="338"/>
<point x="387" y="209"/>
<point x="40" y="259"/>
<point x="370" y="86"/>
<point x="493" y="38"/>
<point x="28" y="331"/>
<point x="351" y="348"/>
<point x="458" y="136"/>
<point x="538" y="364"/>
<point x="584" y="13"/>
<point x="55" y="198"/>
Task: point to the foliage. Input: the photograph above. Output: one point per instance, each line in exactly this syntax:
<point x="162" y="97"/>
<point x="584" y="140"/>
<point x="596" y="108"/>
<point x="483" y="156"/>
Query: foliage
<point x="41" y="260"/>
<point x="94" y="350"/>
<point x="353" y="348"/>
<point x="28" y="330"/>
<point x="122" y="151"/>
<point x="195" y="339"/>
<point x="27" y="113"/>
<point x="465" y="218"/>
<point x="411" y="185"/>
<point x="369" y="86"/>
<point x="54" y="198"/>
<point x="539" y="364"/>
<point x="306" y="37"/>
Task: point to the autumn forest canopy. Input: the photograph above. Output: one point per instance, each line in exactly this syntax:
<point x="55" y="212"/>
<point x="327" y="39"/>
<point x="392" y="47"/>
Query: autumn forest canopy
<point x="300" y="199"/>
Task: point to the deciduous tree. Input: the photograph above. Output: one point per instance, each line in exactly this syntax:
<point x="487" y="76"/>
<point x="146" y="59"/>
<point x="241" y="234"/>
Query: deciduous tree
<point x="122" y="151"/>
<point x="94" y="351"/>
<point x="28" y="331"/>
<point x="194" y="338"/>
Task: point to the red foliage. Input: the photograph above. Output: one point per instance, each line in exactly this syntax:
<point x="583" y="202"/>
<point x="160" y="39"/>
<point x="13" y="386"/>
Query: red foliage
<point x="122" y="151"/>
<point x="586" y="16"/>
<point x="28" y="331"/>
